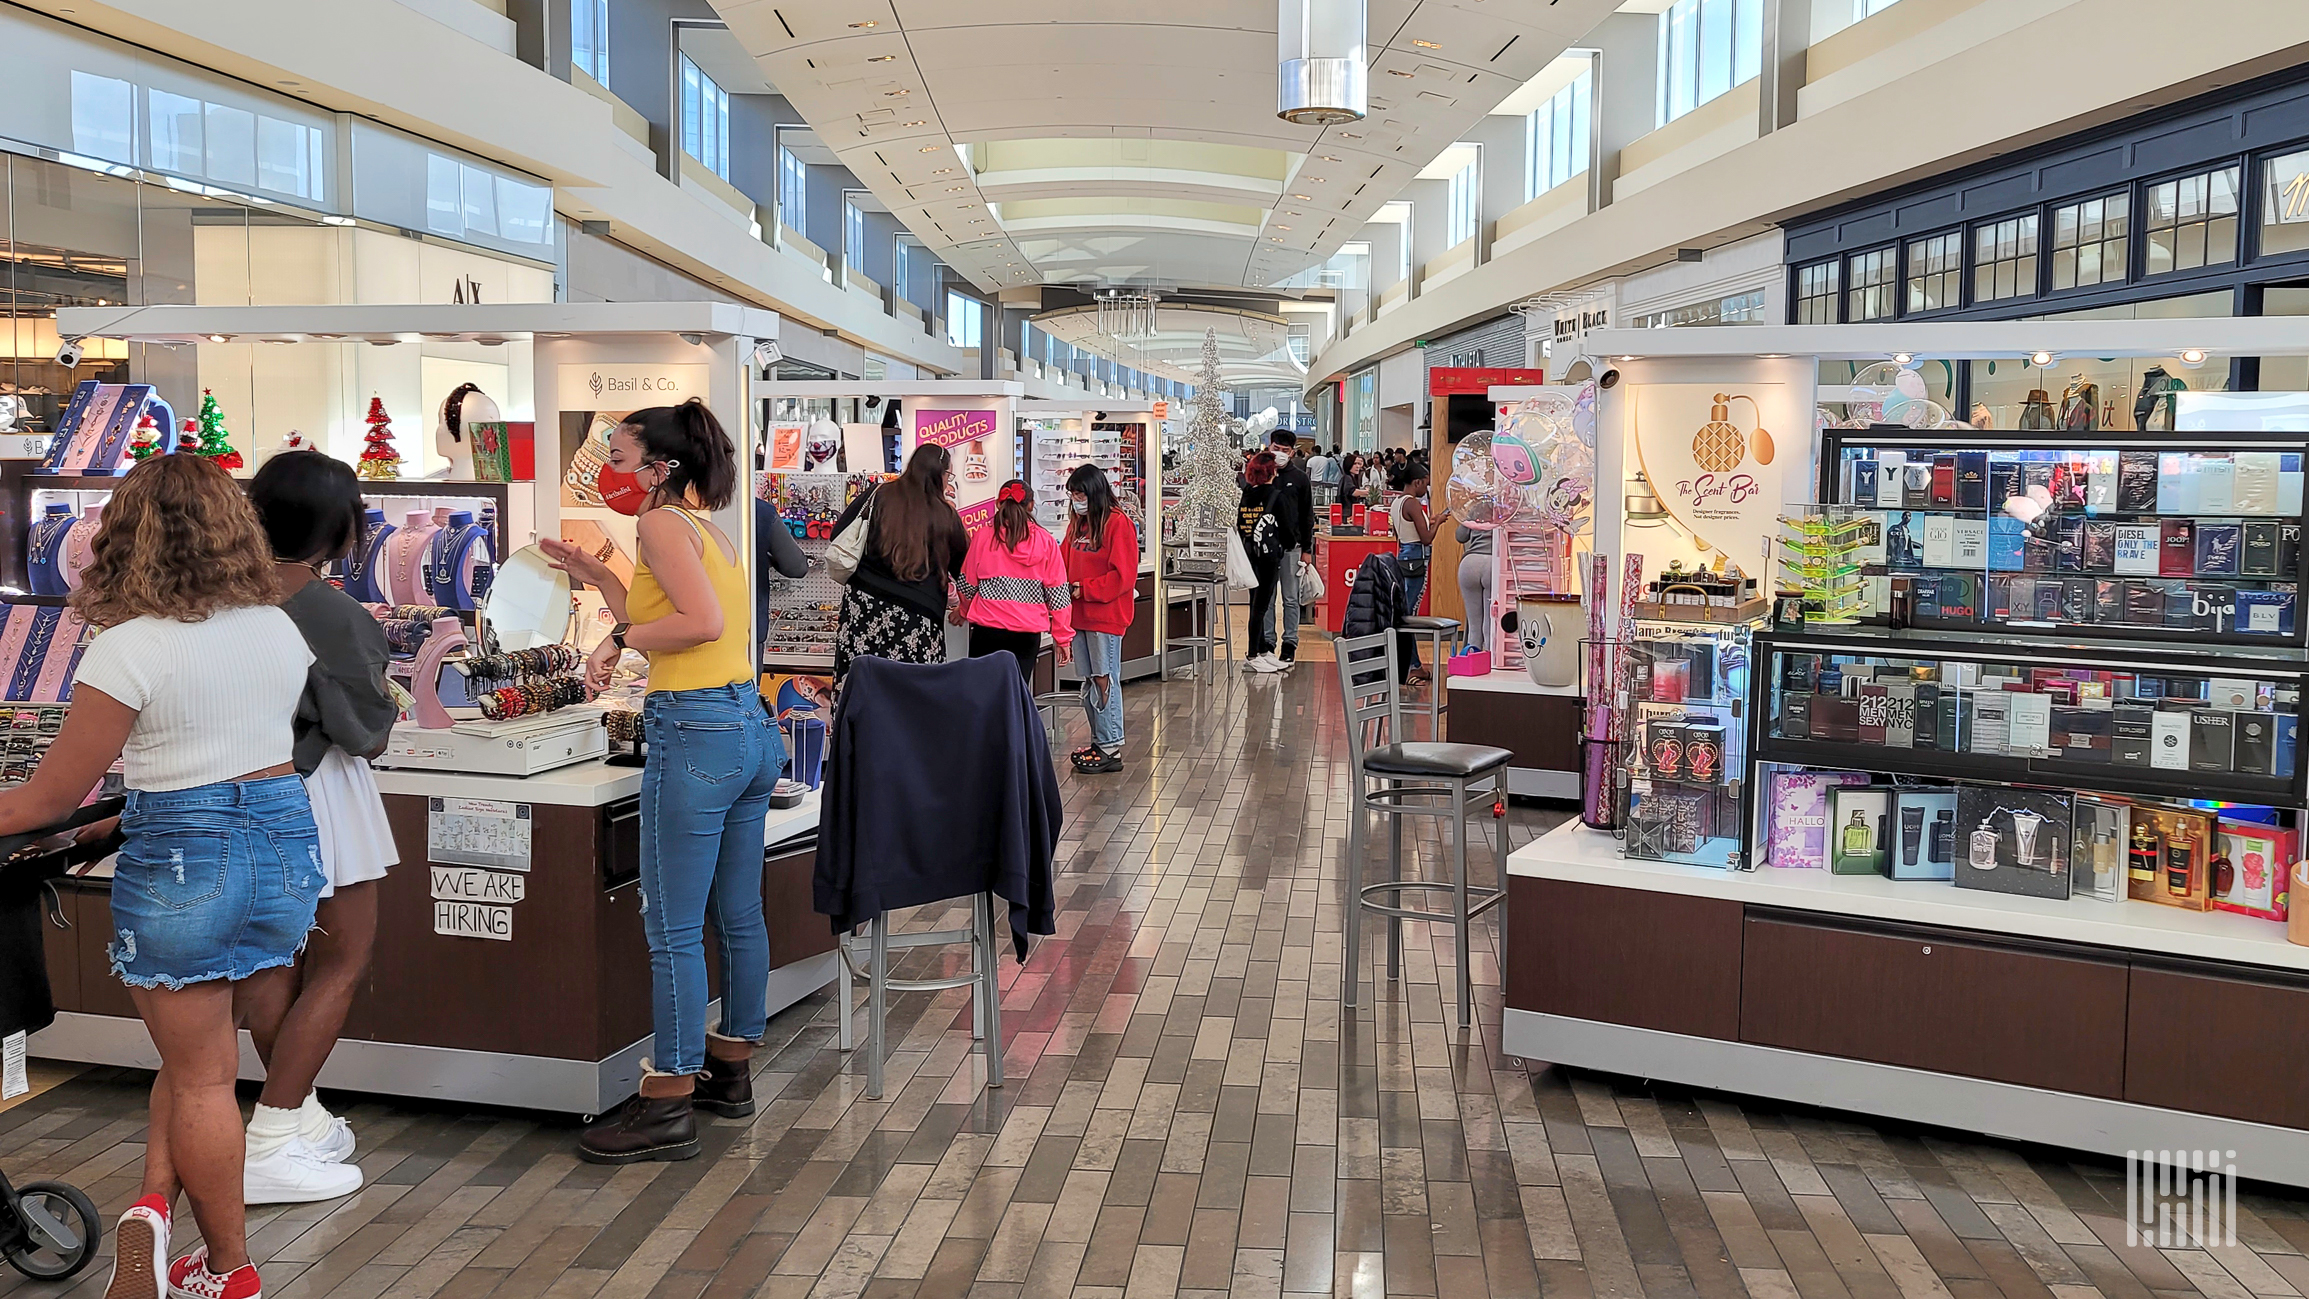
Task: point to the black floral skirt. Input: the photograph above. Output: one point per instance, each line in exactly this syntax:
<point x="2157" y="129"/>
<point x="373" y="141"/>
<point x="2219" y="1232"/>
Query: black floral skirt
<point x="884" y="628"/>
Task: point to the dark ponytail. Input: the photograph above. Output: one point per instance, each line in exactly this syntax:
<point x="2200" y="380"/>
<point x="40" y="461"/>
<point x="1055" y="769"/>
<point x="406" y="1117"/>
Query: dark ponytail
<point x="688" y="438"/>
<point x="1013" y="513"/>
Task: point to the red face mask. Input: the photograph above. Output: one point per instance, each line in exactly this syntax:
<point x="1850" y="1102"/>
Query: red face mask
<point x="619" y="490"/>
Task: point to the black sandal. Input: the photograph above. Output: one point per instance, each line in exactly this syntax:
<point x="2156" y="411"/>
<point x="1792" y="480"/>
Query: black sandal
<point x="1104" y="762"/>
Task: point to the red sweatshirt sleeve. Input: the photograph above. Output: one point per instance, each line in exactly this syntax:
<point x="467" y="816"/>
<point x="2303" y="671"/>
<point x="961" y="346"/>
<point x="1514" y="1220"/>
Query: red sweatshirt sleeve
<point x="1120" y="556"/>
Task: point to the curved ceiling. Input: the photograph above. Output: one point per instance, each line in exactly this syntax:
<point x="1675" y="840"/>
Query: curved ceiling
<point x="1254" y="347"/>
<point x="1112" y="142"/>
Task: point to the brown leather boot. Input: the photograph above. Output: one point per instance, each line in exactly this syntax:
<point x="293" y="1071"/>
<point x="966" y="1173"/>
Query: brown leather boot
<point x="655" y="1124"/>
<point x="727" y="1085"/>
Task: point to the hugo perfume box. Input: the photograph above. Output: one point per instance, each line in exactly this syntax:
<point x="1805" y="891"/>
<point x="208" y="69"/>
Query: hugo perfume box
<point x="2014" y="840"/>
<point x="1923" y="835"/>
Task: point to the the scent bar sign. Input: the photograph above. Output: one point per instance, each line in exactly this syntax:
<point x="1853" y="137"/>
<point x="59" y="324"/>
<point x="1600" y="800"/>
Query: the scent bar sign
<point x="1714" y="462"/>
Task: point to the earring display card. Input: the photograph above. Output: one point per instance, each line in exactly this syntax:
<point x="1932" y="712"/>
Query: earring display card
<point x="2013" y="840"/>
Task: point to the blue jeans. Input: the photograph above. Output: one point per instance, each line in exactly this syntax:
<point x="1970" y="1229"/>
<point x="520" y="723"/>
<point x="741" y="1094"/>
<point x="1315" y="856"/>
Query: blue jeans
<point x="713" y="760"/>
<point x="1287" y="579"/>
<point x="1412" y="586"/>
<point x="215" y="882"/>
<point x="1101" y="654"/>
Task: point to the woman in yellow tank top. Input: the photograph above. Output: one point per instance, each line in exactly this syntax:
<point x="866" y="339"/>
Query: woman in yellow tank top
<point x="714" y="758"/>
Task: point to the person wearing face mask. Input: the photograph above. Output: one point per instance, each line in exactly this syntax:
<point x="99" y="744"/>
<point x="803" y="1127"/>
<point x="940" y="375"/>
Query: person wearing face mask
<point x="714" y="760"/>
<point x="1102" y="568"/>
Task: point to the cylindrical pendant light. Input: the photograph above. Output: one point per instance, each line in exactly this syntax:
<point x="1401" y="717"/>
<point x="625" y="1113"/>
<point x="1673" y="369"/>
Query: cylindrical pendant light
<point x="1322" y="79"/>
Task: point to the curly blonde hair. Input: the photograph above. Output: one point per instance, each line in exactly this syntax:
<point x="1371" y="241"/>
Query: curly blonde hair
<point x="180" y="541"/>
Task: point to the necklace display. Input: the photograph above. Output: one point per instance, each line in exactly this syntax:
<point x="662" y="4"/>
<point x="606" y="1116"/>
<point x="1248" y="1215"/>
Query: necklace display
<point x="457" y="571"/>
<point x="404" y="577"/>
<point x="80" y="546"/>
<point x="44" y="546"/>
<point x="364" y="565"/>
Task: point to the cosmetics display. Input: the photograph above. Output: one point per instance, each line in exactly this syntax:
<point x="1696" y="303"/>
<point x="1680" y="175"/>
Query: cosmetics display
<point x="2160" y="539"/>
<point x="1687" y="685"/>
<point x="1052" y="447"/>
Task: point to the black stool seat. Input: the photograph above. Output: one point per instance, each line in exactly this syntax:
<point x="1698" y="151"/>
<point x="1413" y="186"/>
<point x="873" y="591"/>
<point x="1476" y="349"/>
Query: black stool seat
<point x="1420" y="758"/>
<point x="1421" y="622"/>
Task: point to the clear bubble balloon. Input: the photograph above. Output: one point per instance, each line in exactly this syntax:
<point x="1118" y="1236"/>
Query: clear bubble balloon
<point x="1477" y="494"/>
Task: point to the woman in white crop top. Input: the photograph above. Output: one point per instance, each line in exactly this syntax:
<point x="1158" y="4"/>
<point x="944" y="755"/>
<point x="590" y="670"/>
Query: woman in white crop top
<point x="192" y="682"/>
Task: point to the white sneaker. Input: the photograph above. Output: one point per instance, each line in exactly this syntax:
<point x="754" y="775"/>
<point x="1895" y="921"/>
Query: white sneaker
<point x="1269" y="663"/>
<point x="294" y="1173"/>
<point x="334" y="1145"/>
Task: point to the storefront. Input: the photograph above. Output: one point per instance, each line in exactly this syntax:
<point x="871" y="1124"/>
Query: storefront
<point x="2200" y="210"/>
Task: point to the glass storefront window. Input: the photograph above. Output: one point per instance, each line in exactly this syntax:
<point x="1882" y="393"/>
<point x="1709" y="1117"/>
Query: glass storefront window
<point x="2285" y="203"/>
<point x="2192" y="222"/>
<point x="2004" y="259"/>
<point x="2090" y="243"/>
<point x="2004" y="388"/>
<point x="1936" y="272"/>
<point x="1872" y="279"/>
<point x="1816" y="293"/>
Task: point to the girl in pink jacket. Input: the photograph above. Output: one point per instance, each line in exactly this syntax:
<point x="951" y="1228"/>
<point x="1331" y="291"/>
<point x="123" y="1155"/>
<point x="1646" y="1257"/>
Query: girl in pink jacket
<point x="1014" y="585"/>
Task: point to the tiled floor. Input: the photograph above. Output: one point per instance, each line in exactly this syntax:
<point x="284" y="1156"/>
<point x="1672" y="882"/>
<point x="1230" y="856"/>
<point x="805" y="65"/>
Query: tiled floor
<point x="1189" y="1113"/>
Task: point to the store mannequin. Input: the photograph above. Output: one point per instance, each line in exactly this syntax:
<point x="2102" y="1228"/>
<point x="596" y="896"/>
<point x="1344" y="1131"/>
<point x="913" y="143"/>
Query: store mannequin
<point x="465" y="404"/>
<point x="2153" y="408"/>
<point x="404" y="577"/>
<point x="457" y="565"/>
<point x="2080" y="405"/>
<point x="2036" y="414"/>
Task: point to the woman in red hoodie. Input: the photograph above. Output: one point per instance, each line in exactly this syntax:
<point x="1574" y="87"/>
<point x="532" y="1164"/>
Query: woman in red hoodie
<point x="1102" y="568"/>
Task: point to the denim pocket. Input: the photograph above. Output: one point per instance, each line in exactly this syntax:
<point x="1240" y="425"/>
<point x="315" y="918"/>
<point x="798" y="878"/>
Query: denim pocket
<point x="711" y="751"/>
<point x="299" y="852"/>
<point x="178" y="869"/>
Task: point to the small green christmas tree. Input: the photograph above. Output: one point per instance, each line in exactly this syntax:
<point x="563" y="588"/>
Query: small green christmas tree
<point x="379" y="459"/>
<point x="215" y="439"/>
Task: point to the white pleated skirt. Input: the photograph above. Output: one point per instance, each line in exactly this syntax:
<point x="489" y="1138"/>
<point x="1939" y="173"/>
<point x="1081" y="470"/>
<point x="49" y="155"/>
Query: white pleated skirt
<point x="356" y="839"/>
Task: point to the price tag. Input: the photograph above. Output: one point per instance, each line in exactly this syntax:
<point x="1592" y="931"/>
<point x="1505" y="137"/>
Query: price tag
<point x="13" y="1082"/>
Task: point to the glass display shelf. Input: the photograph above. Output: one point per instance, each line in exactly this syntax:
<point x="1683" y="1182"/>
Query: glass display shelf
<point x="2091" y="535"/>
<point x="1688" y="689"/>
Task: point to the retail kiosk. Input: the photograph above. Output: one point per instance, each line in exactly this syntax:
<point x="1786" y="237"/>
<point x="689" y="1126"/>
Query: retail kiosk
<point x="511" y="967"/>
<point x="1125" y="439"/>
<point x="1930" y="837"/>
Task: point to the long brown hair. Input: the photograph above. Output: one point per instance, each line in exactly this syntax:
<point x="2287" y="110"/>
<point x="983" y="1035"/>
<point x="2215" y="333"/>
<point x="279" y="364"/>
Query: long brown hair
<point x="917" y="532"/>
<point x="1091" y="481"/>
<point x="180" y="541"/>
<point x="1013" y="514"/>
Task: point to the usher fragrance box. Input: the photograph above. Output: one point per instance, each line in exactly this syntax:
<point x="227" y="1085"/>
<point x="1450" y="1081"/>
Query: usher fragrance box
<point x="1796" y="816"/>
<point x="1858" y="820"/>
<point x="2013" y="840"/>
<point x="2212" y="740"/>
<point x="1923" y="833"/>
<point x="2250" y="867"/>
<point x="2097" y="848"/>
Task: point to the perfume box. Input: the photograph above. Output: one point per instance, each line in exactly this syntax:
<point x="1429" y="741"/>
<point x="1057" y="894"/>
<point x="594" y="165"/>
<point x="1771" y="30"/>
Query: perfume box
<point x="2220" y="549"/>
<point x="2006" y="543"/>
<point x="2254" y="490"/>
<point x="2136" y="549"/>
<point x="2216" y="484"/>
<point x="2038" y="553"/>
<point x="1835" y="719"/>
<point x="1900" y="715"/>
<point x="2100" y="478"/>
<point x="2265" y="613"/>
<point x="1940" y="541"/>
<point x="2288" y="550"/>
<point x="1704" y="753"/>
<point x="1868" y="544"/>
<point x="2136" y="482"/>
<point x="2259" y="555"/>
<point x="1991" y="721"/>
<point x="1664" y="747"/>
<point x="2132" y="735"/>
<point x="1927" y="727"/>
<point x="1864" y="480"/>
<point x="2108" y="600"/>
<point x="1859" y="818"/>
<point x="2097" y="546"/>
<point x="1799" y="671"/>
<point x="2180" y="608"/>
<point x="2167" y="857"/>
<point x="1923" y="835"/>
<point x="2289" y="482"/>
<point x="1970" y="542"/>
<point x="1795" y="715"/>
<point x="2250" y="868"/>
<point x="2213" y="607"/>
<point x="1972" y="480"/>
<point x="1875" y="702"/>
<point x="1916" y="485"/>
<point x="2288" y="730"/>
<point x="2169" y="740"/>
<point x="2051" y="600"/>
<point x="2102" y="828"/>
<point x="1796" y="816"/>
<point x="2006" y="479"/>
<point x="1960" y="595"/>
<point x="2068" y="544"/>
<point x="2082" y="734"/>
<point x="2077" y="599"/>
<point x="1944" y="480"/>
<point x="2012" y="840"/>
<point x="1891" y="479"/>
<point x="2233" y="693"/>
<point x="2256" y="743"/>
<point x="2028" y="725"/>
<point x="2176" y="548"/>
<point x="2176" y="485"/>
<point x="2212" y="740"/>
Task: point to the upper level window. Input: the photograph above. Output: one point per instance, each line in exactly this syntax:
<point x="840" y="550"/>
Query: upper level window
<point x="853" y="237"/>
<point x="965" y="320"/>
<point x="1936" y="272"/>
<point x="1706" y="48"/>
<point x="1816" y="290"/>
<point x="2090" y="241"/>
<point x="1868" y="8"/>
<point x="1466" y="206"/>
<point x="2004" y="259"/>
<point x="1873" y="275"/>
<point x="2285" y="204"/>
<point x="705" y="119"/>
<point x="898" y="267"/>
<point x="1557" y="141"/>
<point x="589" y="38"/>
<point x="2191" y="222"/>
<point x="793" y="192"/>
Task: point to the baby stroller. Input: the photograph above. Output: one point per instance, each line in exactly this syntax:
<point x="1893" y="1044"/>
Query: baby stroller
<point x="48" y="1230"/>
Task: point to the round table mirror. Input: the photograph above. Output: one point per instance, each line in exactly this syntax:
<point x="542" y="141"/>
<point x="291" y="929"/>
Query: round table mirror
<point x="528" y="602"/>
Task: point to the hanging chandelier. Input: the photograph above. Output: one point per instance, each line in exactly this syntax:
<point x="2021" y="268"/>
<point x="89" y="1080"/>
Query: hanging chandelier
<point x="1322" y="78"/>
<point x="1127" y="315"/>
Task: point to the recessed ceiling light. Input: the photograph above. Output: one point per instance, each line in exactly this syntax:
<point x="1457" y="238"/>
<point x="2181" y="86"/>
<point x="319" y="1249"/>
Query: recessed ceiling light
<point x="1427" y="45"/>
<point x="868" y="23"/>
<point x="954" y="189"/>
<point x="943" y="171"/>
<point x="930" y="148"/>
<point x="918" y="122"/>
<point x="277" y="83"/>
<point x="967" y="206"/>
<point x="1282" y="227"/>
<point x="1304" y="198"/>
<point x="882" y="58"/>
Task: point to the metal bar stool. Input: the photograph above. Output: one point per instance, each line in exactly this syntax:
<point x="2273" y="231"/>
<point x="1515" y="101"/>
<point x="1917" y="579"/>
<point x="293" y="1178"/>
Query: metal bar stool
<point x="874" y="948"/>
<point x="1440" y="634"/>
<point x="1053" y="705"/>
<point x="1205" y="597"/>
<point x="1415" y="778"/>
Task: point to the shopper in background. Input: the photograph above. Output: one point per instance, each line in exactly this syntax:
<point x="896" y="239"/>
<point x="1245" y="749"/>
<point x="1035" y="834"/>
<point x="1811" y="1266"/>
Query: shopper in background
<point x="894" y="606"/>
<point x="1263" y="521"/>
<point x="1014" y="586"/>
<point x="310" y="506"/>
<point x="1298" y="514"/>
<point x="714" y="759"/>
<point x="192" y="684"/>
<point x="1414" y="538"/>
<point x="1350" y="478"/>
<point x="1102" y="567"/>
<point x="776" y="555"/>
<point x="1475" y="584"/>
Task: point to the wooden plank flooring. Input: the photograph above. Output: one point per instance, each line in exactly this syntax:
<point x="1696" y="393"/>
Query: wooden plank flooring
<point x="1189" y="1113"/>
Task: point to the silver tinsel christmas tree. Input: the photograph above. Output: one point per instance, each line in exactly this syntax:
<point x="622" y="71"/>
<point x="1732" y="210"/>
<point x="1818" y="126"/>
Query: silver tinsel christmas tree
<point x="1211" y="492"/>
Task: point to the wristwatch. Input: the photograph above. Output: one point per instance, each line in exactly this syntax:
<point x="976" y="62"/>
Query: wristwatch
<point x="617" y="633"/>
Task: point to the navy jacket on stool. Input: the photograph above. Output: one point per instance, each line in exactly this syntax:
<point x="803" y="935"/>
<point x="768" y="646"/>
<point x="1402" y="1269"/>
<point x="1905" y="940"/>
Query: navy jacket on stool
<point x="938" y="785"/>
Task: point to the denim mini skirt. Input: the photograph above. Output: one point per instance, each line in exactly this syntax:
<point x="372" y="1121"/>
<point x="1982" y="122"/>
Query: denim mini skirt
<point x="214" y="882"/>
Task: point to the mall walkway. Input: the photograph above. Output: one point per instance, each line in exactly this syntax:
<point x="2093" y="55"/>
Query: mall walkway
<point x="1189" y="1113"/>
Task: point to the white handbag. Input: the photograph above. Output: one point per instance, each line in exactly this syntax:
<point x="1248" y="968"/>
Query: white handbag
<point x="847" y="550"/>
<point x="1240" y="575"/>
<point x="1311" y="585"/>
